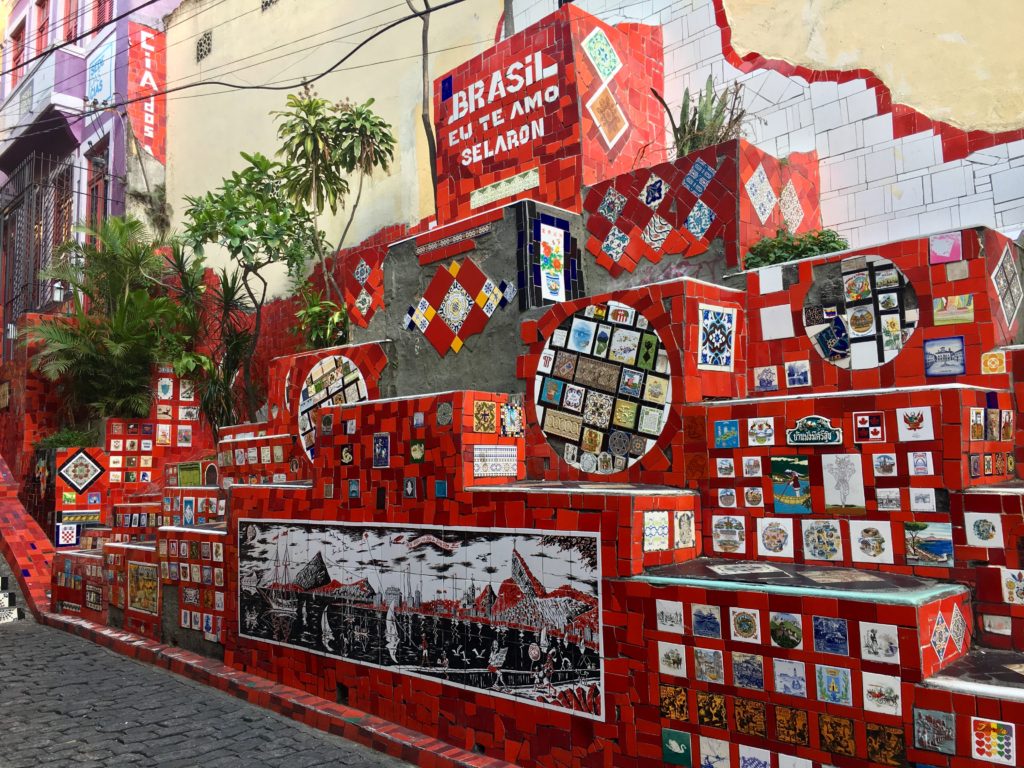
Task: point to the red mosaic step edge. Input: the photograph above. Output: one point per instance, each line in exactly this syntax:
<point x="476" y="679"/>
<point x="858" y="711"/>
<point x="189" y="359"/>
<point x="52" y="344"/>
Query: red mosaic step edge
<point x="347" y="722"/>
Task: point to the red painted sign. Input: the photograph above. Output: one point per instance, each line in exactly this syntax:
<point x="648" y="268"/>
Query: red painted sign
<point x="147" y="76"/>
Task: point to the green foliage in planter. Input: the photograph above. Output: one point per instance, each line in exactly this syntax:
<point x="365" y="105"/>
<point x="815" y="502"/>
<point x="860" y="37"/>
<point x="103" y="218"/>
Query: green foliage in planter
<point x="123" y="320"/>
<point x="787" y="247"/>
<point x="322" y="322"/>
<point x="708" y="120"/>
<point x="69" y="438"/>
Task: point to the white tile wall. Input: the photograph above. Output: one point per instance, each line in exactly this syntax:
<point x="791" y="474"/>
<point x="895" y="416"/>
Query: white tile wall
<point x="874" y="187"/>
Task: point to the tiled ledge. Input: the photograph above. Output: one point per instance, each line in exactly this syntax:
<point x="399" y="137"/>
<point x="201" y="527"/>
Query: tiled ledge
<point x="337" y="719"/>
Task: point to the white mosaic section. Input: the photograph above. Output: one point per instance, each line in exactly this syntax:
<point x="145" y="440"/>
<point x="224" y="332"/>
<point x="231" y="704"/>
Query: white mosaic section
<point x="874" y="188"/>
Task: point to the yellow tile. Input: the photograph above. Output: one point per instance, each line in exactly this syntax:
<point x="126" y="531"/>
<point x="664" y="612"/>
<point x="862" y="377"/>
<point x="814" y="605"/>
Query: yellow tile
<point x="430" y="312"/>
<point x="454" y="269"/>
<point x="456" y="344"/>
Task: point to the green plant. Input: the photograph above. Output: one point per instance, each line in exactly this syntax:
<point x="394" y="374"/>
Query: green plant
<point x="322" y="323"/>
<point x="322" y="143"/>
<point x="69" y="438"/>
<point x="251" y="217"/>
<point x="709" y="120"/>
<point x="788" y="247"/>
<point x="122" y="323"/>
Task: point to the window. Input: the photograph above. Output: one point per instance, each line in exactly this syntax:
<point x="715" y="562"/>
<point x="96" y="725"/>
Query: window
<point x="17" y="54"/>
<point x="104" y="13"/>
<point x="42" y="25"/>
<point x="204" y="45"/>
<point x="96" y="185"/>
<point x="71" y="20"/>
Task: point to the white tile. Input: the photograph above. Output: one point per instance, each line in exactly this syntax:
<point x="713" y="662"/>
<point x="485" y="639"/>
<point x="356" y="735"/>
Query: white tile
<point x="845" y="173"/>
<point x="903" y="228"/>
<point x="802" y="140"/>
<point x="907" y="194"/>
<point x="1011" y="220"/>
<point x="880" y="164"/>
<point x="851" y="87"/>
<point x="861" y="105"/>
<point x="1015" y="149"/>
<point x="915" y="154"/>
<point x="777" y="322"/>
<point x="869" y="203"/>
<point x="823" y="93"/>
<point x="842" y="139"/>
<point x="1008" y="185"/>
<point x="977" y="212"/>
<point x="835" y="211"/>
<point x="828" y="116"/>
<point x="877" y="129"/>
<point x="938" y="220"/>
<point x="770" y="280"/>
<point x="950" y="183"/>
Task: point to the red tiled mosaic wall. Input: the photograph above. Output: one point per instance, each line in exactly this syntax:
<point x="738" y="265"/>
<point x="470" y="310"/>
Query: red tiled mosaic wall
<point x="78" y="586"/>
<point x="133" y="579"/>
<point x="33" y="405"/>
<point x="982" y="325"/>
<point x="661" y="305"/>
<point x="544" y="111"/>
<point x="193" y="561"/>
<point x="732" y="191"/>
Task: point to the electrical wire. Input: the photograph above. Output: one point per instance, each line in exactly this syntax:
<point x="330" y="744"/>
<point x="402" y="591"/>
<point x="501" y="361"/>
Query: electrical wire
<point x="250" y="87"/>
<point x="75" y="39"/>
<point x="291" y="53"/>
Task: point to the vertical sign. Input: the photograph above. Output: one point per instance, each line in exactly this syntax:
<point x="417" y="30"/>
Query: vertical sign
<point x="147" y="76"/>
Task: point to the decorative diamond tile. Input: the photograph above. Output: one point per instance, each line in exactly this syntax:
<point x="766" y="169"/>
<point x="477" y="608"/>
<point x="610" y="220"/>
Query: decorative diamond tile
<point x="455" y="307"/>
<point x="653" y="192"/>
<point x="602" y="54"/>
<point x="362" y="271"/>
<point x="656" y="232"/>
<point x="699" y="177"/>
<point x="940" y="637"/>
<point x="457" y="304"/>
<point x="958" y="628"/>
<point x="80" y="471"/>
<point x="615" y="243"/>
<point x="612" y="204"/>
<point x="700" y="219"/>
<point x="759" y="189"/>
<point x="363" y="301"/>
<point x="789" y="204"/>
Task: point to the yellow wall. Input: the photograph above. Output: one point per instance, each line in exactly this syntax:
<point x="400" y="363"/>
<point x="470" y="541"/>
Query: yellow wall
<point x="206" y="132"/>
<point x="955" y="61"/>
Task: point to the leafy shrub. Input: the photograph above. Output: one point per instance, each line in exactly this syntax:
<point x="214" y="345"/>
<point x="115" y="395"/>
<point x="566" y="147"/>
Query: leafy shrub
<point x="69" y="438"/>
<point x="787" y="247"/>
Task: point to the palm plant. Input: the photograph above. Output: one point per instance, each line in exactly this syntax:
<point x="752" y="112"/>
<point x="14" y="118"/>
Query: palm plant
<point x="122" y="323"/>
<point x="322" y="143"/>
<point x="709" y="120"/>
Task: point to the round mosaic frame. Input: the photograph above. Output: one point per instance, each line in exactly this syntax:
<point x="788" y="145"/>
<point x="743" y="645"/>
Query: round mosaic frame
<point x="860" y="312"/>
<point x="334" y="380"/>
<point x="603" y="388"/>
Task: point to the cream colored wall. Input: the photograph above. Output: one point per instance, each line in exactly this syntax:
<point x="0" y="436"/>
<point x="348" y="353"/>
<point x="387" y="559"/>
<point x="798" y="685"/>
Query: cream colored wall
<point x="297" y="38"/>
<point x="955" y="61"/>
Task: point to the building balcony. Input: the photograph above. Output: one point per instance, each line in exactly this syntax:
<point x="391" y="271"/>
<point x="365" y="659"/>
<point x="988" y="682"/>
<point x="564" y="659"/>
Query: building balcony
<point x="54" y="83"/>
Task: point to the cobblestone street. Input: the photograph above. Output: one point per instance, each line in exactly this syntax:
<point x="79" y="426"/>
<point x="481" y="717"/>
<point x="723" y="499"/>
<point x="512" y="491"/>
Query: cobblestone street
<point x="66" y="701"/>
